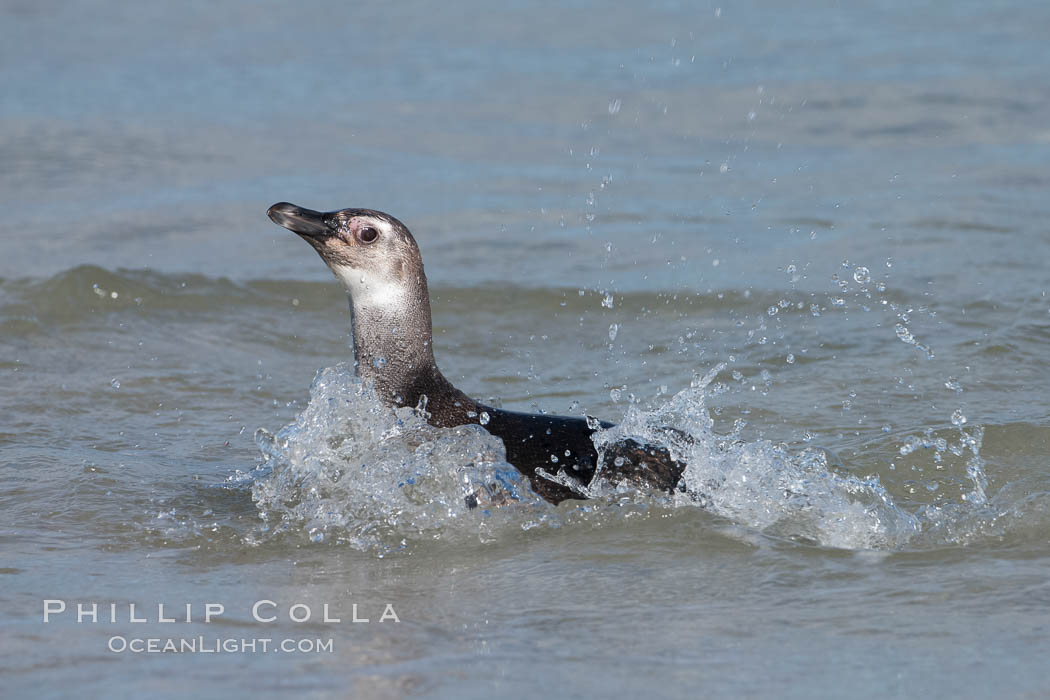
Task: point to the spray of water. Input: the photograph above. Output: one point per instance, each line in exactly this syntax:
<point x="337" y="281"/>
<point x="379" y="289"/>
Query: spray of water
<point x="349" y="469"/>
<point x="761" y="485"/>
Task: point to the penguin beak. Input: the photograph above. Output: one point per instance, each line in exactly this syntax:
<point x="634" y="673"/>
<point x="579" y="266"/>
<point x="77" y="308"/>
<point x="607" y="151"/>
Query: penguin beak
<point x="305" y="222"/>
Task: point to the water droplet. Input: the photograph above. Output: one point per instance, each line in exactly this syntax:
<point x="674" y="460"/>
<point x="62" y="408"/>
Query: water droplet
<point x="484" y="418"/>
<point x="772" y="311"/>
<point x="906" y="336"/>
<point x="954" y="385"/>
<point x="554" y="459"/>
<point x="791" y="358"/>
<point x="958" y="418"/>
<point x="861" y="275"/>
<point x="379" y="362"/>
<point x="115" y="383"/>
<point x="593" y="423"/>
<point x="613" y="330"/>
<point x="614" y="106"/>
<point x="607" y="301"/>
<point x="618" y="461"/>
<point x="615" y="394"/>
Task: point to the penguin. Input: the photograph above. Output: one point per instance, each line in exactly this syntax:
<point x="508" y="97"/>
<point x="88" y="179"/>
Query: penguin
<point x="378" y="262"/>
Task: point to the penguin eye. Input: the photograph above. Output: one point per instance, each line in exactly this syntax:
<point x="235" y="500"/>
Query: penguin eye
<point x="367" y="235"/>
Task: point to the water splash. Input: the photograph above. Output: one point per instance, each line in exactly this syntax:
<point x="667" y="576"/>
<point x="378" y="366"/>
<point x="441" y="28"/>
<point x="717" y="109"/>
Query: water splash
<point x="761" y="485"/>
<point x="351" y="470"/>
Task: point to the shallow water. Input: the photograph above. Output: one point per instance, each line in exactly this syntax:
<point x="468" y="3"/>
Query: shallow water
<point x="816" y="241"/>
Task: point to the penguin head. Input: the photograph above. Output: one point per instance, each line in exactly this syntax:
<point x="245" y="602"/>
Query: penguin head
<point x="373" y="254"/>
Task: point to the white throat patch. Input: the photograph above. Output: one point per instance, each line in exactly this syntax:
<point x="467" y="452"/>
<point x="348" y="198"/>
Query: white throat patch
<point x="369" y="289"/>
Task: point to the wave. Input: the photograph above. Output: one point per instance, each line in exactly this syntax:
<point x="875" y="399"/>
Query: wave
<point x="84" y="289"/>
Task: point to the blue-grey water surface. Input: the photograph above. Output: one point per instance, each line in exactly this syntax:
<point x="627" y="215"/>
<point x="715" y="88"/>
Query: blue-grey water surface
<point x="847" y="206"/>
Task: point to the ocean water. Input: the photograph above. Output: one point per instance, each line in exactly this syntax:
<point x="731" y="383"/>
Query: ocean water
<point x="813" y="238"/>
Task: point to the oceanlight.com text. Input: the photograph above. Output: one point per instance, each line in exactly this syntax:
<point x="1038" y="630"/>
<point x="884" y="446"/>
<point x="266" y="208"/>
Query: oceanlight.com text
<point x="217" y="645"/>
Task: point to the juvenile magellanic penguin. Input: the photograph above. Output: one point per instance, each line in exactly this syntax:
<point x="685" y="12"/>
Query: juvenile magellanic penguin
<point x="376" y="258"/>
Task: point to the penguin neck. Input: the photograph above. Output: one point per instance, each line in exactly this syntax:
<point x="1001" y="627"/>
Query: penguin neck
<point x="390" y="351"/>
<point x="393" y="351"/>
